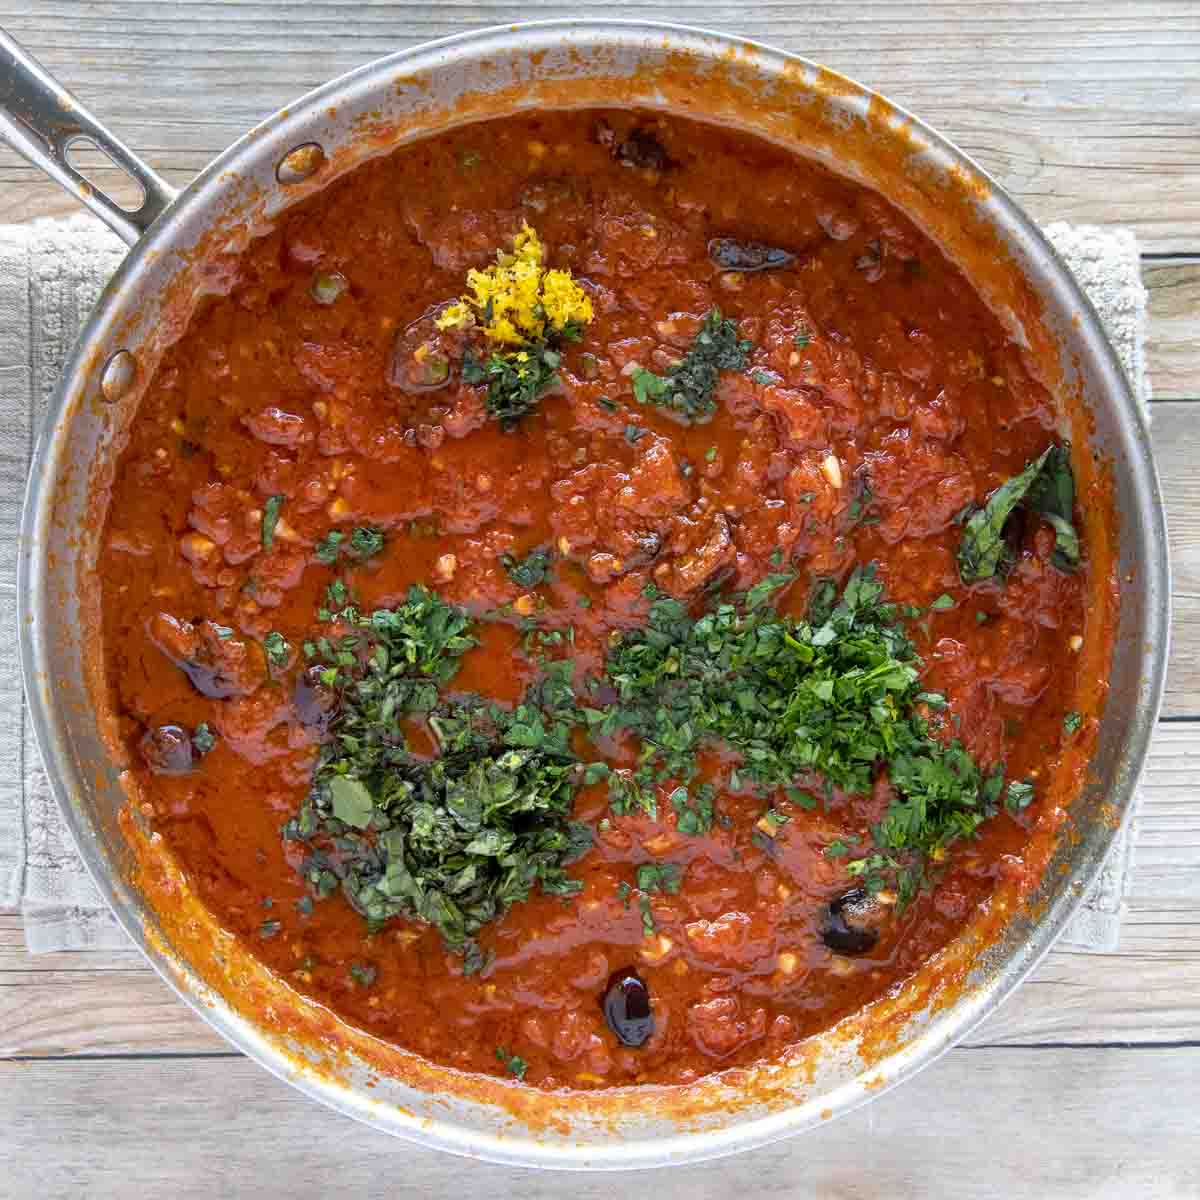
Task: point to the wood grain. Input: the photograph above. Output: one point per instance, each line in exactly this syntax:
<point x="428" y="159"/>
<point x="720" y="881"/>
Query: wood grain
<point x="1149" y="992"/>
<point x="1048" y="1123"/>
<point x="1173" y="332"/>
<point x="1176" y="434"/>
<point x="1085" y="111"/>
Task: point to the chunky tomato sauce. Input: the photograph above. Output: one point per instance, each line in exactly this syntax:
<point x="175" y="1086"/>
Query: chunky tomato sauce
<point x="881" y="399"/>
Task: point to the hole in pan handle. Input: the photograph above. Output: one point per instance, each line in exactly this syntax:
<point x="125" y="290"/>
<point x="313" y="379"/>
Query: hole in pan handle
<point x="42" y="121"/>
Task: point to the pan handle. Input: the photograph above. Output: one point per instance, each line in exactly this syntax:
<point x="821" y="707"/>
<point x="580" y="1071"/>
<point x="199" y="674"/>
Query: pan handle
<point x="41" y="120"/>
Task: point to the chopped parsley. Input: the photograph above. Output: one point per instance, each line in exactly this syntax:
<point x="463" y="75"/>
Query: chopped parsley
<point x="660" y="877"/>
<point x="687" y="389"/>
<point x="648" y="925"/>
<point x="833" y="698"/>
<point x="515" y="381"/>
<point x="514" y="1064"/>
<point x="270" y="518"/>
<point x="202" y="739"/>
<point x="693" y="815"/>
<point x="363" y="975"/>
<point x="365" y="542"/>
<point x="943" y="602"/>
<point x="1071" y="722"/>
<point x="529" y="571"/>
<point x="277" y="649"/>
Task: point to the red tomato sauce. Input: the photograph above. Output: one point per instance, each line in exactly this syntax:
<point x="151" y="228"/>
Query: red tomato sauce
<point x="874" y="365"/>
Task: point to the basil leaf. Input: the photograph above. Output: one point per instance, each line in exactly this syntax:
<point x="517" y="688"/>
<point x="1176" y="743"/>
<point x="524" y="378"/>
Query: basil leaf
<point x="982" y="551"/>
<point x="1052" y="496"/>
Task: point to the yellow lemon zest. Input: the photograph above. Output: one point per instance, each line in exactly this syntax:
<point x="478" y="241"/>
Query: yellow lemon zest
<point x="516" y="300"/>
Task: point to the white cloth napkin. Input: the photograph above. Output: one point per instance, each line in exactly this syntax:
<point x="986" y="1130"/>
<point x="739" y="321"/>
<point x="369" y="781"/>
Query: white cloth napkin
<point x="51" y="273"/>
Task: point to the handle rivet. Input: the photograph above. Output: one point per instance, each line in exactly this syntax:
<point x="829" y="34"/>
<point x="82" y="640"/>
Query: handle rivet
<point x="118" y="376"/>
<point x="298" y="164"/>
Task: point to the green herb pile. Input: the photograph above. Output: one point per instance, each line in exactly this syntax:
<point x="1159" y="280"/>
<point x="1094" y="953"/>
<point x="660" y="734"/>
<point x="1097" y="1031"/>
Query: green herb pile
<point x="688" y="388"/>
<point x="452" y="841"/>
<point x="829" y="701"/>
<point x="515" y="382"/>
<point x="823" y="702"/>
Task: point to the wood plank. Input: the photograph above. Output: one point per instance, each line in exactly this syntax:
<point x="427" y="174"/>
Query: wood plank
<point x="1176" y="434"/>
<point x="82" y="1004"/>
<point x="1083" y="116"/>
<point x="1101" y="1123"/>
<point x="1173" y="333"/>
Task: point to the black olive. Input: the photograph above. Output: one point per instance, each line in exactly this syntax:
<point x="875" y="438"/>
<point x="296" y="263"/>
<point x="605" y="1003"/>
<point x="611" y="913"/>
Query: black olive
<point x="421" y="358"/>
<point x="314" y="701"/>
<point x="167" y="750"/>
<point x="839" y="934"/>
<point x="626" y="1006"/>
<point x="643" y="150"/>
<point x="209" y="680"/>
<point x="731" y="255"/>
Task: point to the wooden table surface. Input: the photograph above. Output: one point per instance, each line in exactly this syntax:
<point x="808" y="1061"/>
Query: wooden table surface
<point x="1087" y="1083"/>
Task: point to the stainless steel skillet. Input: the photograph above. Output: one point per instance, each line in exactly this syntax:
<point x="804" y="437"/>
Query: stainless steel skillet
<point x="175" y="239"/>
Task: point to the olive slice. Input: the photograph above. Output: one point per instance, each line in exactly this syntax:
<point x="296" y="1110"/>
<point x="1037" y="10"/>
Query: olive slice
<point x="626" y="1005"/>
<point x="167" y="750"/>
<point x="843" y="933"/>
<point x="731" y="255"/>
<point x="313" y="701"/>
<point x="641" y="149"/>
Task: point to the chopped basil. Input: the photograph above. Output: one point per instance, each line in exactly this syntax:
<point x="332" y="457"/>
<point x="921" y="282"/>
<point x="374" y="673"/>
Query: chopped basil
<point x="270" y="519"/>
<point x="351" y="801"/>
<point x="457" y="840"/>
